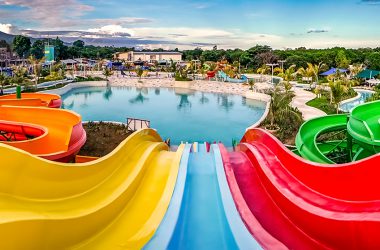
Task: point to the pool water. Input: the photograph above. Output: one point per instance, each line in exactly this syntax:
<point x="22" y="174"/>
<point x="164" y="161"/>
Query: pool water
<point x="178" y="114"/>
<point x="350" y="105"/>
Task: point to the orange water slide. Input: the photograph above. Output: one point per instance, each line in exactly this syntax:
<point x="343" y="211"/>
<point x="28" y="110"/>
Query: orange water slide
<point x="59" y="134"/>
<point x="32" y="99"/>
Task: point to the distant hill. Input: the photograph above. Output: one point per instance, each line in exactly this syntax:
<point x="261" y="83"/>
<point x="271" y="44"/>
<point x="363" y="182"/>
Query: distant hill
<point x="7" y="37"/>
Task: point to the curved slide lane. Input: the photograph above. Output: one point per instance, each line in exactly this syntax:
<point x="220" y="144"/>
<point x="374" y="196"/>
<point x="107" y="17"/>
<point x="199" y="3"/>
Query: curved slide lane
<point x="288" y="202"/>
<point x="364" y="125"/>
<point x="60" y="133"/>
<point x="306" y="139"/>
<point x="116" y="202"/>
<point x="202" y="214"/>
<point x="32" y="99"/>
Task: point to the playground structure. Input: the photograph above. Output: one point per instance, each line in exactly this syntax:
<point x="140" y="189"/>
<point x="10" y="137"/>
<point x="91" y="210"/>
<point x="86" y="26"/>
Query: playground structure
<point x="201" y="196"/>
<point x="225" y="78"/>
<point x="226" y="72"/>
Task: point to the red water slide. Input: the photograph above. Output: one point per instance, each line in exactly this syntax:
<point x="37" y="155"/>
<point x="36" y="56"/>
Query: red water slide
<point x="287" y="202"/>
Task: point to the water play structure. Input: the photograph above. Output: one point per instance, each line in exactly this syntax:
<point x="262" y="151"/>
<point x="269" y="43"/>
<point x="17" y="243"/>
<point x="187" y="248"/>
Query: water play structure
<point x="224" y="77"/>
<point x="202" y="196"/>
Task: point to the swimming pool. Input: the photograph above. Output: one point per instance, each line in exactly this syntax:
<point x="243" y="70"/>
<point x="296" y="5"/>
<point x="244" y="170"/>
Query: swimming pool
<point x="364" y="95"/>
<point x="178" y="114"/>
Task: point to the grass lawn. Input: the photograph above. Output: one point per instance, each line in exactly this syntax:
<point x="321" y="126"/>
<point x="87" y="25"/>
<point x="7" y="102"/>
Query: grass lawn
<point x="322" y="103"/>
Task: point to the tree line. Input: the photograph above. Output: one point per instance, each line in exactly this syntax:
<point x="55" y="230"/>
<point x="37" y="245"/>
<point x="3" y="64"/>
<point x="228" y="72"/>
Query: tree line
<point x="252" y="58"/>
<point x="24" y="48"/>
<point x="259" y="55"/>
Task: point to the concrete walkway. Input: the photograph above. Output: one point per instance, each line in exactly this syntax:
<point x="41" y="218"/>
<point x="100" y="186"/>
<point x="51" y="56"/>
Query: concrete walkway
<point x="300" y="100"/>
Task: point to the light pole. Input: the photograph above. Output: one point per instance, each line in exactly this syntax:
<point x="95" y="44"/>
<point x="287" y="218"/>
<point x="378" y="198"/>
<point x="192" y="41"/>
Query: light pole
<point x="272" y="65"/>
<point x="282" y="63"/>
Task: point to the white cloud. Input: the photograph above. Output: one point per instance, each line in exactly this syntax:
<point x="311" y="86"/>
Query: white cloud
<point x="112" y="30"/>
<point x="314" y="30"/>
<point x="8" y="28"/>
<point x="50" y="13"/>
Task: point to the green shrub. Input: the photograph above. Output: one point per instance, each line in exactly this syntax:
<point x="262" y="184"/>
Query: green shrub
<point x="88" y="78"/>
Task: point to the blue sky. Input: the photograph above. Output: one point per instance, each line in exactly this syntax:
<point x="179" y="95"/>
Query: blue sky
<point x="185" y="24"/>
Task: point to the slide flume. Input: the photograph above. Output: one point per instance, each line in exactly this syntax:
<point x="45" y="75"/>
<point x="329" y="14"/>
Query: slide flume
<point x="60" y="133"/>
<point x="288" y="202"/>
<point x="364" y="125"/>
<point x="32" y="99"/>
<point x="202" y="214"/>
<point x="115" y="202"/>
<point x="306" y="139"/>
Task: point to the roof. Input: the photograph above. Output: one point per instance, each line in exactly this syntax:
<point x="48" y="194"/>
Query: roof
<point x="69" y="61"/>
<point x="373" y="81"/>
<point x="333" y="71"/>
<point x="157" y="53"/>
<point x="368" y="74"/>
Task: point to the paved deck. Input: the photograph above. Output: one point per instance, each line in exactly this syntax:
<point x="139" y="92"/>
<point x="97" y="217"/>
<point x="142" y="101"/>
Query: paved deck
<point x="300" y="100"/>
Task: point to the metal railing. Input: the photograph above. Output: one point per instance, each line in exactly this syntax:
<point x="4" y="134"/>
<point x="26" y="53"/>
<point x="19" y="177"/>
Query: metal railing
<point x="134" y="124"/>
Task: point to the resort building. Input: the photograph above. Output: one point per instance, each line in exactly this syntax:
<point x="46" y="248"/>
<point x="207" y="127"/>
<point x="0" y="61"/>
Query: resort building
<point x="145" y="56"/>
<point x="7" y="58"/>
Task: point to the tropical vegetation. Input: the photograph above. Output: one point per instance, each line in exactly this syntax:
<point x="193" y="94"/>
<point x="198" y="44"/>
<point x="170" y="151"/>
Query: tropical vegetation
<point x="283" y="119"/>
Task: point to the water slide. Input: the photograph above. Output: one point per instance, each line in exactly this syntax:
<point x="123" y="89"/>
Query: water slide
<point x="53" y="134"/>
<point x="115" y="202"/>
<point x="306" y="139"/>
<point x="202" y="214"/>
<point x="226" y="78"/>
<point x="32" y="99"/>
<point x="288" y="202"/>
<point x="363" y="125"/>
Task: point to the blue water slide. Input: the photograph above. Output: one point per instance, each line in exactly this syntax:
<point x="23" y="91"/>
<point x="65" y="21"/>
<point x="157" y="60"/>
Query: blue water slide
<point x="202" y="213"/>
<point x="226" y="78"/>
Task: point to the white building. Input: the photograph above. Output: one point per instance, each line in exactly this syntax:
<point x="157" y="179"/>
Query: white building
<point x="145" y="56"/>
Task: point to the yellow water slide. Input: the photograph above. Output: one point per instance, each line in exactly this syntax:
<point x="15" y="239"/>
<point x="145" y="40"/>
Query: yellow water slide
<point x="116" y="202"/>
<point x="62" y="131"/>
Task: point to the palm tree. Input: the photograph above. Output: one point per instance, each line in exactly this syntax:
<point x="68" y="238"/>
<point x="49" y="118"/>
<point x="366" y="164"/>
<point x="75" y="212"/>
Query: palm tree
<point x="307" y="72"/>
<point x="317" y="69"/>
<point x="107" y="73"/>
<point x="280" y="107"/>
<point x="37" y="68"/>
<point x="139" y="73"/>
<point x="356" y="69"/>
<point x="4" y="80"/>
<point x="251" y="83"/>
<point x="288" y="75"/>
<point x="263" y="70"/>
<point x="337" y="90"/>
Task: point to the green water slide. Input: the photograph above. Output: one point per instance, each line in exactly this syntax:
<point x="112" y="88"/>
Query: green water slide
<point x="363" y="130"/>
<point x="306" y="140"/>
<point x="364" y="126"/>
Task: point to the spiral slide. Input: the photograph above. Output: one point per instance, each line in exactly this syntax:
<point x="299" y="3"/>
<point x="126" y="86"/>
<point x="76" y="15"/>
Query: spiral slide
<point x="202" y="214"/>
<point x="287" y="202"/>
<point x="306" y="140"/>
<point x="362" y="125"/>
<point x="32" y="99"/>
<point x="115" y="202"/>
<point x="52" y="134"/>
